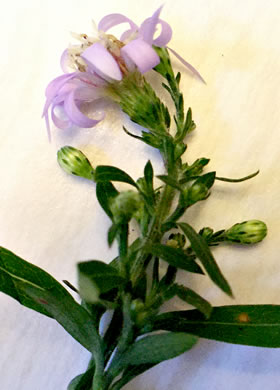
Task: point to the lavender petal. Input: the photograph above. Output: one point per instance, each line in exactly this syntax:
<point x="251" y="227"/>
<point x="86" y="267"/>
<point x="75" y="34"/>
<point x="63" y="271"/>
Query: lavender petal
<point x="75" y="114"/>
<point x="102" y="62"/>
<point x="141" y="53"/>
<point x="112" y="20"/>
<point x="148" y="27"/>
<point x="187" y="65"/>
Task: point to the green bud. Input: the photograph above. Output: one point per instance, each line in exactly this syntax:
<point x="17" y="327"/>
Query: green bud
<point x="197" y="192"/>
<point x="74" y="162"/>
<point x="248" y="232"/>
<point x="125" y="206"/>
<point x="206" y="233"/>
<point x="176" y="240"/>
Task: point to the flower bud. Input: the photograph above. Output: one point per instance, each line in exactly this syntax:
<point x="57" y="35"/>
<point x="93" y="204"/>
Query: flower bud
<point x="248" y="232"/>
<point x="206" y="233"/>
<point x="74" y="162"/>
<point x="197" y="192"/>
<point x="125" y="206"/>
<point x="176" y="240"/>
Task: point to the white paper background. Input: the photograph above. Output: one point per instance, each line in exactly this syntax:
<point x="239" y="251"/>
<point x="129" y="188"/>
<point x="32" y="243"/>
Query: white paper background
<point x="54" y="221"/>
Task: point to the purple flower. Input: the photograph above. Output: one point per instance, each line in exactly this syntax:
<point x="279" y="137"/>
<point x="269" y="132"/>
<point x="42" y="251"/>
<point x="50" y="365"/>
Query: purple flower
<point x="100" y="60"/>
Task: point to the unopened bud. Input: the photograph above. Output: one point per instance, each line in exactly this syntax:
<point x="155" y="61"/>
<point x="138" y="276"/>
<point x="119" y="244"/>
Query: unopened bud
<point x="197" y="192"/>
<point x="125" y="206"/>
<point x="176" y="240"/>
<point x="206" y="233"/>
<point x="248" y="232"/>
<point x="74" y="162"/>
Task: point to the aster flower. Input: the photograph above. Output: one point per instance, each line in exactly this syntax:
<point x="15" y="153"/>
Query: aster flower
<point x="101" y="60"/>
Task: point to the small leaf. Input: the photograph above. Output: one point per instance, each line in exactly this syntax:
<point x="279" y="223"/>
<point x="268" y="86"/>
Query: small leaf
<point x="175" y="257"/>
<point x="159" y="347"/>
<point x="95" y="278"/>
<point x="208" y="179"/>
<point x="170" y="181"/>
<point x="149" y="175"/>
<point x="238" y="180"/>
<point x="256" y="325"/>
<point x="105" y="192"/>
<point x="204" y="254"/>
<point x="112" y="233"/>
<point x="109" y="173"/>
<point x="192" y="298"/>
<point x="83" y="381"/>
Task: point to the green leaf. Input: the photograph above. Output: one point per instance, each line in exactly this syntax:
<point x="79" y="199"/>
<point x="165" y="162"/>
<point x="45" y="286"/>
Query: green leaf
<point x="159" y="347"/>
<point x="208" y="179"/>
<point x="95" y="278"/>
<point x="105" y="192"/>
<point x="192" y="298"/>
<point x="38" y="290"/>
<point x="256" y="325"/>
<point x="109" y="173"/>
<point x="13" y="270"/>
<point x="129" y="373"/>
<point x="149" y="175"/>
<point x="175" y="257"/>
<point x="170" y="181"/>
<point x="238" y="180"/>
<point x="83" y="381"/>
<point x="112" y="233"/>
<point x="204" y="254"/>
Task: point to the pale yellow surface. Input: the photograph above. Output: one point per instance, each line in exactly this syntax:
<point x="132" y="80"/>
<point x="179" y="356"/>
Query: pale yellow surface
<point x="54" y="221"/>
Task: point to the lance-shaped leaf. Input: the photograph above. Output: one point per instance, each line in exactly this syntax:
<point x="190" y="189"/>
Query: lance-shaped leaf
<point x="256" y="325"/>
<point x="194" y="299"/>
<point x="175" y="257"/>
<point x="159" y="347"/>
<point x="38" y="290"/>
<point x="105" y="192"/>
<point x="95" y="278"/>
<point x="204" y="254"/>
<point x="109" y="173"/>
<point x="149" y="176"/>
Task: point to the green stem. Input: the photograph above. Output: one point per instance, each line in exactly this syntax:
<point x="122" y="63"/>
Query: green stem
<point x="126" y="338"/>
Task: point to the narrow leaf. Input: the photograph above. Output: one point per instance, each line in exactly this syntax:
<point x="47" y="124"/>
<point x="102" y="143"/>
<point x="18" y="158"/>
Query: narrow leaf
<point x="159" y="347"/>
<point x="105" y="192"/>
<point x="13" y="270"/>
<point x="149" y="175"/>
<point x="194" y="299"/>
<point x="170" y="181"/>
<point x="175" y="257"/>
<point x="68" y="313"/>
<point x="38" y="290"/>
<point x="255" y="325"/>
<point x="95" y="278"/>
<point x="109" y="173"/>
<point x="238" y="180"/>
<point x="204" y="254"/>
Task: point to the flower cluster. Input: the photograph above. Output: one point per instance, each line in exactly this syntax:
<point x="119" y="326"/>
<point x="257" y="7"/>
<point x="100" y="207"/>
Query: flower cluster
<point x="102" y="60"/>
